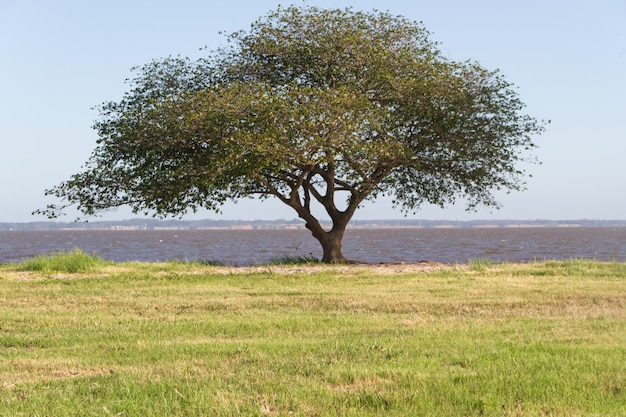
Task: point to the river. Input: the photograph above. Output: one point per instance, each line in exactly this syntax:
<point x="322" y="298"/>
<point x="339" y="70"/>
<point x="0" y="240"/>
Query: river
<point x="252" y="247"/>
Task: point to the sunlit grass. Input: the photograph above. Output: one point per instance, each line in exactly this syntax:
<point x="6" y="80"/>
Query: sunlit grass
<point x="70" y="262"/>
<point x="185" y="339"/>
<point x="480" y="264"/>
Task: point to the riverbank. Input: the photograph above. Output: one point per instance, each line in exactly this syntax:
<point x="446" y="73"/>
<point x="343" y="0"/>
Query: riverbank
<point x="177" y="338"/>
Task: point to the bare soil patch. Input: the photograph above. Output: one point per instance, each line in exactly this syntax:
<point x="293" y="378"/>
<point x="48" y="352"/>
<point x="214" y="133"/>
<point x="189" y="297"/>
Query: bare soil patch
<point x="386" y="268"/>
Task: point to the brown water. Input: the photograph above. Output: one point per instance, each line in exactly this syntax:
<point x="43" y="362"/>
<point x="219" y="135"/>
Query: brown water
<point x="250" y="247"/>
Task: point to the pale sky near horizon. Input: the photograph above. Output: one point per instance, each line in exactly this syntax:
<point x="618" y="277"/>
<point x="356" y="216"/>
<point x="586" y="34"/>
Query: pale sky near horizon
<point x="567" y="59"/>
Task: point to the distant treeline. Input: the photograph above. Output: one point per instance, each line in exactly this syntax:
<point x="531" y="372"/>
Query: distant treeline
<point x="154" y="224"/>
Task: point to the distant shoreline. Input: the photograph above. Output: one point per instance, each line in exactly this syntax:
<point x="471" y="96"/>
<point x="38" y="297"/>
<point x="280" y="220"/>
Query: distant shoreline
<point x="296" y="224"/>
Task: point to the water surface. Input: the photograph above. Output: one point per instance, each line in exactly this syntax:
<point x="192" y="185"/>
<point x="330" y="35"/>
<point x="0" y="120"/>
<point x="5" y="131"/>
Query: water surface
<point x="250" y="247"/>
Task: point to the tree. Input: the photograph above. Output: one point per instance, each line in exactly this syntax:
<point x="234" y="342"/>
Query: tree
<point x="313" y="107"/>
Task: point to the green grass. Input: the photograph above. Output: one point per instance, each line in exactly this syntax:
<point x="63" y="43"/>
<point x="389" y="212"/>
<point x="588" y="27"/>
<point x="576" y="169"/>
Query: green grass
<point x="294" y="260"/>
<point x="69" y="262"/>
<point x="184" y="339"/>
<point x="480" y="264"/>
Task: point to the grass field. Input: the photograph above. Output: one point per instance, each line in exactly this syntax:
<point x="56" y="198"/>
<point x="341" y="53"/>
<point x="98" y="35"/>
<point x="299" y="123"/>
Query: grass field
<point x="183" y="339"/>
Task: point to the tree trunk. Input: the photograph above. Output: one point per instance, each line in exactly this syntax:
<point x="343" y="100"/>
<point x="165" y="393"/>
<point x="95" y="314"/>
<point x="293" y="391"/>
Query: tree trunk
<point x="331" y="246"/>
<point x="330" y="241"/>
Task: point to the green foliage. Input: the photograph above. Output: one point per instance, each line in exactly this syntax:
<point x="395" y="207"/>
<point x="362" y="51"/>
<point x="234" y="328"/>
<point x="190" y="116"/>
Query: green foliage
<point x="310" y="106"/>
<point x="69" y="262"/>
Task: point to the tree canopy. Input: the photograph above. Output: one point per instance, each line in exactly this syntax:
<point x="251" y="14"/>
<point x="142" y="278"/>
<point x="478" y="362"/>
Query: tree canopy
<point x="310" y="106"/>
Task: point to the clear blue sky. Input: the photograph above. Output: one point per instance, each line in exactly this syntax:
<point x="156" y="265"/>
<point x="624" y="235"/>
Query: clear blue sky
<point x="567" y="58"/>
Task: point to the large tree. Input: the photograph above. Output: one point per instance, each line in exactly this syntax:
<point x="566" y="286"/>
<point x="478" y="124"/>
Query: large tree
<point x="312" y="107"/>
